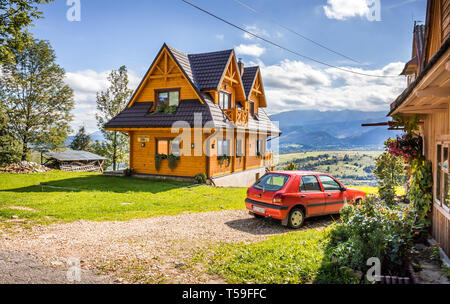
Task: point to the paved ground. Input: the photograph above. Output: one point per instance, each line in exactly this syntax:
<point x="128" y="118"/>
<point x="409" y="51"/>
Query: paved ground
<point x="149" y="250"/>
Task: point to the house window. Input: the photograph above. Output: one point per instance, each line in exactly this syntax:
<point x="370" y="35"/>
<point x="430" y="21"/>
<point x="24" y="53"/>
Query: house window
<point x="225" y="100"/>
<point x="252" y="108"/>
<point x="442" y="176"/>
<point x="260" y="147"/>
<point x="168" y="146"/>
<point x="223" y="147"/>
<point x="239" y="148"/>
<point x="169" y="97"/>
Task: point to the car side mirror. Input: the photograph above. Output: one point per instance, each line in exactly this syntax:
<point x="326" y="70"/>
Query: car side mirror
<point x="343" y="189"/>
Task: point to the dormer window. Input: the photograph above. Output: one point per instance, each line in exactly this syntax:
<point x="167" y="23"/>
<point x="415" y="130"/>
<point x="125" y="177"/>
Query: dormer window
<point x="169" y="97"/>
<point x="224" y="100"/>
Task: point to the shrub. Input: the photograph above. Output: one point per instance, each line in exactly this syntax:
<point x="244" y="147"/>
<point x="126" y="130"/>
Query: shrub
<point x="128" y="172"/>
<point x="372" y="229"/>
<point x="291" y="167"/>
<point x="200" y="178"/>
<point x="390" y="173"/>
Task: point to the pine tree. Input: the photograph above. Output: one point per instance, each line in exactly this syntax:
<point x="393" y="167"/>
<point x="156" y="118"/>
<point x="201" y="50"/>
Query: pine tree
<point x="110" y="103"/>
<point x="82" y="141"/>
<point x="36" y="98"/>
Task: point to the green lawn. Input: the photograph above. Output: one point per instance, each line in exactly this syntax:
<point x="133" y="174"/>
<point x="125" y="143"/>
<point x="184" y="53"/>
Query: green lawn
<point x="70" y="196"/>
<point x="296" y="257"/>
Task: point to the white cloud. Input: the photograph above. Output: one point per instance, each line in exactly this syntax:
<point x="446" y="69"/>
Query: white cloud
<point x="86" y="84"/>
<point x="250" y="49"/>
<point x="255" y="30"/>
<point x="345" y="9"/>
<point x="294" y="85"/>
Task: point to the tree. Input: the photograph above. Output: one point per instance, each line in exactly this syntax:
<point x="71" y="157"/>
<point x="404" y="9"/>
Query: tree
<point x="36" y="99"/>
<point x="9" y="145"/>
<point x="15" y="17"/>
<point x="291" y="167"/>
<point x="390" y="173"/>
<point x="109" y="103"/>
<point x="101" y="148"/>
<point x="82" y="141"/>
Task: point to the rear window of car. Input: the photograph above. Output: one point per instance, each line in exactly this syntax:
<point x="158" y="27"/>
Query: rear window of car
<point x="271" y="182"/>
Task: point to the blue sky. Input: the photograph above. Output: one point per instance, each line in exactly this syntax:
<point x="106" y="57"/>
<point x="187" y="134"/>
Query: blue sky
<point x="112" y="33"/>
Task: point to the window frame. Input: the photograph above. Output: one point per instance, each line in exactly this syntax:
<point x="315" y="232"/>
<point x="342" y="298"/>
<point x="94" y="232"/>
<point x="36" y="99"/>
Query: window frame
<point x="260" y="149"/>
<point x="251" y="107"/>
<point x="309" y="191"/>
<point x="170" y="142"/>
<point x="220" y="143"/>
<point x="168" y="90"/>
<point x="440" y="173"/>
<point x="230" y="103"/>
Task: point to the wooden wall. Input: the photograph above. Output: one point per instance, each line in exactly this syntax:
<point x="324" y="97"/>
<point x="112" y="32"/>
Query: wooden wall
<point x="435" y="125"/>
<point x="142" y="159"/>
<point x="445" y="17"/>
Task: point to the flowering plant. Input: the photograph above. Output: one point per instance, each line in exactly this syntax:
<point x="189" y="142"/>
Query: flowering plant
<point x="408" y="147"/>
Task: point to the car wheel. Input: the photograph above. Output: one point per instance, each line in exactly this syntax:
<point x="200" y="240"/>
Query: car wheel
<point x="296" y="218"/>
<point x="258" y="216"/>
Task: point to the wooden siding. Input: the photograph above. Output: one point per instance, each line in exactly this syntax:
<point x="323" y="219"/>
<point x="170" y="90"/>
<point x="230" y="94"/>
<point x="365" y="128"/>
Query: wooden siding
<point x="437" y="125"/>
<point x="142" y="159"/>
<point x="165" y="74"/>
<point x="445" y="9"/>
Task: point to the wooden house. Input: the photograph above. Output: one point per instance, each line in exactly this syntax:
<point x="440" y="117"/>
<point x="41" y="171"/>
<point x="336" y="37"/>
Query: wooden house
<point x="428" y="94"/>
<point x="202" y="112"/>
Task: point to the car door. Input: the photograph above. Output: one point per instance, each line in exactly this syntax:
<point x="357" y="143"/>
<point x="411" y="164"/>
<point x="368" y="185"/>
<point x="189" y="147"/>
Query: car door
<point x="311" y="195"/>
<point x="334" y="196"/>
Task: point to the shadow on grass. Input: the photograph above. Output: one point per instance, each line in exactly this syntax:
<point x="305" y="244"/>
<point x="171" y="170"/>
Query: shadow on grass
<point x="272" y="226"/>
<point x="103" y="183"/>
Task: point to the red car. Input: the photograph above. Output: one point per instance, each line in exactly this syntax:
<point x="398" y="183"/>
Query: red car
<point x="292" y="196"/>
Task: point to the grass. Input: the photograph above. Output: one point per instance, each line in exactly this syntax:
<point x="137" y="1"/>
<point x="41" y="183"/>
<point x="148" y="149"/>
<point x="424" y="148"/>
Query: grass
<point x="70" y="196"/>
<point x="296" y="257"/>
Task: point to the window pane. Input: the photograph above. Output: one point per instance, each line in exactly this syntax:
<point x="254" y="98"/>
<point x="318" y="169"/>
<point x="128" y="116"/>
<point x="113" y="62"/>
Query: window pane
<point x="219" y="147"/>
<point x="174" y="98"/>
<point x="438" y="172"/>
<point x="175" y="147"/>
<point x="445" y="159"/>
<point x="163" y="146"/>
<point x="309" y="183"/>
<point x="252" y="108"/>
<point x="239" y="147"/>
<point x="163" y="97"/>
<point x="329" y="183"/>
<point x="271" y="182"/>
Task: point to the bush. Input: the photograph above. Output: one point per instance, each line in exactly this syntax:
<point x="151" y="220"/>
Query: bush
<point x="372" y="229"/>
<point x="200" y="178"/>
<point x="128" y="172"/>
<point x="291" y="167"/>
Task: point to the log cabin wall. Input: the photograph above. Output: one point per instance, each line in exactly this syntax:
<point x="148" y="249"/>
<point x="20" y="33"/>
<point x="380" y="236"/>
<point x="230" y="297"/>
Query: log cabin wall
<point x="142" y="158"/>
<point x="437" y="126"/>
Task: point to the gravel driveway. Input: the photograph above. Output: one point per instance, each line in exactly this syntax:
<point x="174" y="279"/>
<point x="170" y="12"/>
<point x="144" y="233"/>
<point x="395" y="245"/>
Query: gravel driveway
<point x="152" y="250"/>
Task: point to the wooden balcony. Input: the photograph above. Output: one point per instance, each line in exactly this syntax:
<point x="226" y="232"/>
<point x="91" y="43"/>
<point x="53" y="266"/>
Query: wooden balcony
<point x="238" y="116"/>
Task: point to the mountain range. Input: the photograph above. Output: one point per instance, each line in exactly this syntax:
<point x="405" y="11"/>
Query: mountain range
<point x="305" y="130"/>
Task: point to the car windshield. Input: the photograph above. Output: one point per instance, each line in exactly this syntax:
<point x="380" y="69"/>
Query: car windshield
<point x="271" y="182"/>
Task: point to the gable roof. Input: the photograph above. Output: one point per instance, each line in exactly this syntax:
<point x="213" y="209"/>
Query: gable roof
<point x="248" y="79"/>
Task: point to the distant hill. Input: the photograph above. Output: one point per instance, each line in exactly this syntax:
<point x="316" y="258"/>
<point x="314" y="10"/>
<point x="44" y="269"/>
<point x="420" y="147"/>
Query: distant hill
<point x="311" y="130"/>
<point x="94" y="136"/>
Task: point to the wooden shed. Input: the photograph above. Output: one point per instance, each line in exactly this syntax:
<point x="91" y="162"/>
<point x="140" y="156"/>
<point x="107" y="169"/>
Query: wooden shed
<point x="72" y="160"/>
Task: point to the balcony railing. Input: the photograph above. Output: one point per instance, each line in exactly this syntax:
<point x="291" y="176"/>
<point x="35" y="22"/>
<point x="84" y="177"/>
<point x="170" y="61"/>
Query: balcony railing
<point x="238" y="116"/>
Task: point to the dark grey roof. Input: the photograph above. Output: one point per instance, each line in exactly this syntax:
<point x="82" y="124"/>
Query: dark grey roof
<point x="208" y="68"/>
<point x="204" y="71"/>
<point x="248" y="78"/>
<point x="73" y="155"/>
<point x="138" y="116"/>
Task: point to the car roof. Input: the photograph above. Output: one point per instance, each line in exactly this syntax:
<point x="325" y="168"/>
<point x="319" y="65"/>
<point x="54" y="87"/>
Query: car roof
<point x="299" y="172"/>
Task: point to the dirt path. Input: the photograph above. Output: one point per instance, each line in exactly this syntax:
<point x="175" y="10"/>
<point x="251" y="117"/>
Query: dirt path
<point x="149" y="250"/>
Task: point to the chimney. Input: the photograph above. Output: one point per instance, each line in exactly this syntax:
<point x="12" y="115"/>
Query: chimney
<point x="241" y="66"/>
